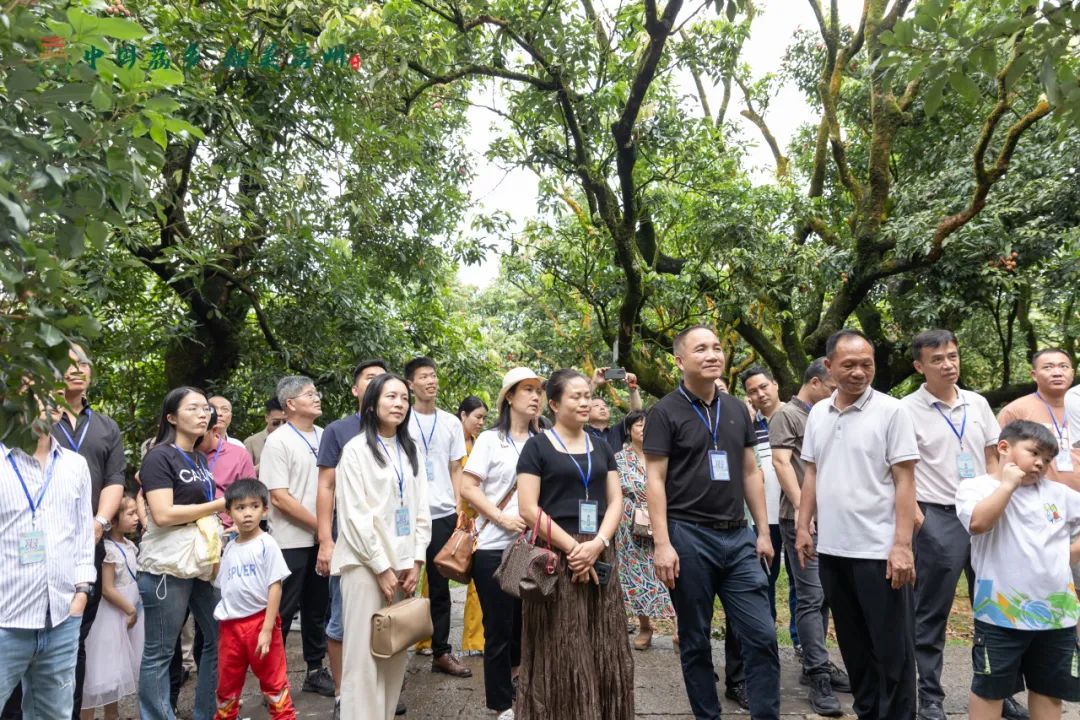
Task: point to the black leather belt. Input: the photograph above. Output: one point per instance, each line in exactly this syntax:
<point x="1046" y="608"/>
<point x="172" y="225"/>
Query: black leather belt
<point x="719" y="524"/>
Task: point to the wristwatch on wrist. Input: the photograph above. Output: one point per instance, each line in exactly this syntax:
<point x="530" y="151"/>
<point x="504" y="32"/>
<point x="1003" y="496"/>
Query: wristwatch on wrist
<point x="607" y="543"/>
<point x="84" y="588"/>
<point x="105" y="524"/>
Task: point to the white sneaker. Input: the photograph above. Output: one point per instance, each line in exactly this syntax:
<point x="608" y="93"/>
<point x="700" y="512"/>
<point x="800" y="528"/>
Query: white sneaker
<point x="507" y="715"/>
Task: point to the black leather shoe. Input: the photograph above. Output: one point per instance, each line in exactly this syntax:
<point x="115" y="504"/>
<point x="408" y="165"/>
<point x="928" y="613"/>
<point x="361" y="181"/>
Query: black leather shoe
<point x="319" y="681"/>
<point x="931" y="710"/>
<point x="821" y="697"/>
<point x="400" y="708"/>
<point x="737" y="692"/>
<point x="1012" y="710"/>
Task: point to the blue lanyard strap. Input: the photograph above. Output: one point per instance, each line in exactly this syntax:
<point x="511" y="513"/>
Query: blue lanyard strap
<point x="123" y="555"/>
<point x="714" y="428"/>
<point x="514" y="444"/>
<point x="963" y="423"/>
<point x="586" y="474"/>
<point x="34" y="506"/>
<point x="217" y="454"/>
<point x="399" y="469"/>
<point x="1059" y="429"/>
<point x="195" y="468"/>
<point x="313" y="448"/>
<point x="431" y="435"/>
<point x="82" y="436"/>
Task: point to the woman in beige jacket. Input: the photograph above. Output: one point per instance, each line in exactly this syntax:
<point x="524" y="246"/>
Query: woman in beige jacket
<point x="383" y="531"/>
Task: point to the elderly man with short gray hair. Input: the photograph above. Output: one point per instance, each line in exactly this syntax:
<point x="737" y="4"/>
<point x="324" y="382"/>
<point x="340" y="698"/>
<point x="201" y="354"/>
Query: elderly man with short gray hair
<point x="288" y="469"/>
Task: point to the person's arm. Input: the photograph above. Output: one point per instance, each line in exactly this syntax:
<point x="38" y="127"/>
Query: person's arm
<point x="112" y="490"/>
<point x="108" y="507"/>
<point x="166" y="514"/>
<point x="266" y="634"/>
<point x="754" y="491"/>
<point x="664" y="555"/>
<point x="455" y="479"/>
<point x="285" y="503"/>
<point x="584" y="556"/>
<point x="900" y="568"/>
<point x="114" y="596"/>
<point x="990" y="509"/>
<point x="529" y="507"/>
<point x="598" y="380"/>
<point x="804" y="540"/>
<point x="324" y="518"/>
<point x="785" y="474"/>
<point x="635" y="393"/>
<point x="473" y="494"/>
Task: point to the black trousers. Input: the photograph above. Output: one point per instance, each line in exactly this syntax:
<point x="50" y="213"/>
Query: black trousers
<point x="502" y="631"/>
<point x="306" y="591"/>
<point x="439" y="587"/>
<point x="92" y="604"/>
<point x="875" y="630"/>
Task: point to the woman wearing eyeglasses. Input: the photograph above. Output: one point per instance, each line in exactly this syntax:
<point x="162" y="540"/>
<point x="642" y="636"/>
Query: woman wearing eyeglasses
<point x="182" y="523"/>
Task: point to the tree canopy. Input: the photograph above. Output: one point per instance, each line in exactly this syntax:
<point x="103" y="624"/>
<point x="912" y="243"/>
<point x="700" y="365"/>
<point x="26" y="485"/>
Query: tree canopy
<point x="221" y="194"/>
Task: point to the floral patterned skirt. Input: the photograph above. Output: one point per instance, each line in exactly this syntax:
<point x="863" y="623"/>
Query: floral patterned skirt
<point x="643" y="593"/>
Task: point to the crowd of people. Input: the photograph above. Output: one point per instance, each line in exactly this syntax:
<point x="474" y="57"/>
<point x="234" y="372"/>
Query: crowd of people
<point x="876" y="505"/>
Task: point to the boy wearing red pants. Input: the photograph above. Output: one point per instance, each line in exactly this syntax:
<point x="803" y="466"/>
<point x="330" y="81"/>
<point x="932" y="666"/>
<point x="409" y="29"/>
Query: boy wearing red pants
<point x="250" y="575"/>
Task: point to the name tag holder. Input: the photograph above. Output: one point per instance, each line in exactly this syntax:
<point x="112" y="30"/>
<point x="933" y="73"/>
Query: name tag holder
<point x="401" y="522"/>
<point x="32" y="547"/>
<point x="588" y="517"/>
<point x="718" y="466"/>
<point x="965" y="465"/>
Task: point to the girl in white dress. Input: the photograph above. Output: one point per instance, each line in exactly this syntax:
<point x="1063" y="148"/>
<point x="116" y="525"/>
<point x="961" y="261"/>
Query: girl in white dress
<point x="115" y="643"/>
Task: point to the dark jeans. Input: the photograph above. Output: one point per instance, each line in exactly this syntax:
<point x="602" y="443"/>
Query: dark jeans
<point x="306" y="591"/>
<point x="875" y="630"/>
<point x="502" y="630"/>
<point x="811" y="613"/>
<point x="439" y="587"/>
<point x="942" y="552"/>
<point x="92" y="603"/>
<point x="723" y="563"/>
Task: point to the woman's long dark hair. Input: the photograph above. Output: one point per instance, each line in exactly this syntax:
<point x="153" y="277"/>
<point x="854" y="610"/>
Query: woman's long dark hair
<point x="171" y="406"/>
<point x="468" y="405"/>
<point x="369" y="421"/>
<point x="502" y="423"/>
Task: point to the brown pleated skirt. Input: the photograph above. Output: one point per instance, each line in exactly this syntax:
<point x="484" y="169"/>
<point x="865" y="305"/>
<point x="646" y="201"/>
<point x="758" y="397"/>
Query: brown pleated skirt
<point x="576" y="662"/>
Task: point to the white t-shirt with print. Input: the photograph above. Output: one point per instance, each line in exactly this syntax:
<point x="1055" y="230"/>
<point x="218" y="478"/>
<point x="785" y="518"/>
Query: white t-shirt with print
<point x="440" y="440"/>
<point x="288" y="462"/>
<point x="1022" y="576"/>
<point x="247" y="571"/>
<point x="494" y="461"/>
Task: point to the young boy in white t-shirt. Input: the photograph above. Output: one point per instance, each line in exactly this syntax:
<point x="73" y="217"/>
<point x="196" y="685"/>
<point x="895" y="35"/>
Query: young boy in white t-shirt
<point x="1025" y="604"/>
<point x="249" y="631"/>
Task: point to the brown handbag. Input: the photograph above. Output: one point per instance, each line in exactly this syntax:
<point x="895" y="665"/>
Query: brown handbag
<point x="454" y="559"/>
<point x="528" y="571"/>
<point x="642" y="525"/>
<point x="397" y="627"/>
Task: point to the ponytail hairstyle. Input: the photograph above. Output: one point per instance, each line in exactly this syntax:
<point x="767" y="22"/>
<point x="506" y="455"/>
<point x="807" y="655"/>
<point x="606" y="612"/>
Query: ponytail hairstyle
<point x="369" y="421"/>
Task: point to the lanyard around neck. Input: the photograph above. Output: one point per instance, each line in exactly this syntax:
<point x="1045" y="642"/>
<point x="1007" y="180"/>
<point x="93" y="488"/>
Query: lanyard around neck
<point x="195" y="468"/>
<point x="431" y="435"/>
<point x="399" y="469"/>
<point x="313" y="448"/>
<point x="82" y="436"/>
<point x="963" y="423"/>
<point x="34" y="506"/>
<point x="123" y="555"/>
<point x="1059" y="429"/>
<point x="586" y="472"/>
<point x="713" y="428"/>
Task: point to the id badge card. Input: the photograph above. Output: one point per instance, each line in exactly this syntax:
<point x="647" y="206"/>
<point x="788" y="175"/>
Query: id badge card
<point x="429" y="468"/>
<point x="965" y="465"/>
<point x="1063" y="462"/>
<point x="588" y="517"/>
<point x="718" y="466"/>
<point x="401" y="521"/>
<point x="32" y="547"/>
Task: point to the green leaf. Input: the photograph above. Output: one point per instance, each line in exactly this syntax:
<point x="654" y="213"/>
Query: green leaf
<point x="22" y="80"/>
<point x="964" y="85"/>
<point x="97" y="232"/>
<point x="731" y="10"/>
<point x="175" y="125"/>
<point x="934" y="93"/>
<point x="1048" y="78"/>
<point x="50" y="335"/>
<point x="16" y="212"/>
<point x="74" y="92"/>
<point x="81" y="23"/>
<point x="157" y="134"/>
<point x="1019" y="65"/>
<point x="121" y="28"/>
<point x="70" y="240"/>
<point x="166" y="77"/>
<point x="100" y="98"/>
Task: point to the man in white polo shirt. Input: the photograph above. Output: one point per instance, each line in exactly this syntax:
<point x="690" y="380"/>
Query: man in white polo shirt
<point x="957" y="435"/>
<point x="441" y="441"/>
<point x="860" y="452"/>
<point x="288" y="469"/>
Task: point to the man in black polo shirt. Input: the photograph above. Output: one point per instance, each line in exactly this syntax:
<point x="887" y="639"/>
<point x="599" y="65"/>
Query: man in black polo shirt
<point x="97" y="438"/>
<point x="700" y="470"/>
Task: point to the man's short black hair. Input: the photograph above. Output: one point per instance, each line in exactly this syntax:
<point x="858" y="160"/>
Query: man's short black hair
<point x="245" y="488"/>
<point x="1049" y="351"/>
<point x="415" y="364"/>
<point x="370" y="362"/>
<point x="1019" y="430"/>
<point x="836" y="337"/>
<point x="815" y="369"/>
<point x="273" y="404"/>
<point x="936" y="338"/>
<point x="681" y="337"/>
<point x="751" y="371"/>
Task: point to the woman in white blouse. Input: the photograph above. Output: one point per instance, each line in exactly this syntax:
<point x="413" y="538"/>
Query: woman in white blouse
<point x="490" y="486"/>
<point x="383" y="531"/>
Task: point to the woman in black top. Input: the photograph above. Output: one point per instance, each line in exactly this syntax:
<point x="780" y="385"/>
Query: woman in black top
<point x="179" y="493"/>
<point x="575" y="656"/>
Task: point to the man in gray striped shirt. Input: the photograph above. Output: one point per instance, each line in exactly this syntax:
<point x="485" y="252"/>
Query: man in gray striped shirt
<point x="46" y="572"/>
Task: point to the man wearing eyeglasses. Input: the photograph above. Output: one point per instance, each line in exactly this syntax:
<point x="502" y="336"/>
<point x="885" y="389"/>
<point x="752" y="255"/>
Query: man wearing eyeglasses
<point x="223" y="407"/>
<point x="289" y="470"/>
<point x="275" y="418"/>
<point x="96" y="437"/>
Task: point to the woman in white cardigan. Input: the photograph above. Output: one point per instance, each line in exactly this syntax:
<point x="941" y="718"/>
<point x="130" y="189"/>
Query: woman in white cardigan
<point x="383" y="531"/>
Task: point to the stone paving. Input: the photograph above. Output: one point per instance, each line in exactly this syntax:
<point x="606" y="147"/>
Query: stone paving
<point x="659" y="690"/>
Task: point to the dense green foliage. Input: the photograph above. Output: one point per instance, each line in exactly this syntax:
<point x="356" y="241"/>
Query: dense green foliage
<point x="223" y="198"/>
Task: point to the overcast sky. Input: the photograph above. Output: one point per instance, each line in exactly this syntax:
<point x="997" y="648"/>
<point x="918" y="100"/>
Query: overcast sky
<point x="515" y="192"/>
